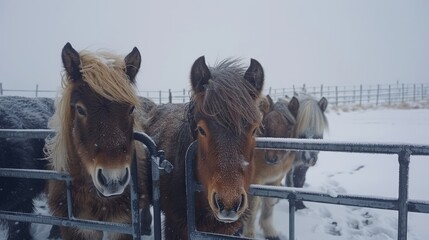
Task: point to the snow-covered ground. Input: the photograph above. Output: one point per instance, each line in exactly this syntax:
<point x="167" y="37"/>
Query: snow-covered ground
<point x="351" y="173"/>
<point x="364" y="174"/>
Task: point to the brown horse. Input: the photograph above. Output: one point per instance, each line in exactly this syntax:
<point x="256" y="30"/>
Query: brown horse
<point x="223" y="117"/>
<point x="95" y="120"/>
<point x="271" y="166"/>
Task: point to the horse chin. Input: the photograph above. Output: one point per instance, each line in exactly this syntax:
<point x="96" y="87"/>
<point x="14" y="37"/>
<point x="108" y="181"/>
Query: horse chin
<point x="107" y="194"/>
<point x="226" y="219"/>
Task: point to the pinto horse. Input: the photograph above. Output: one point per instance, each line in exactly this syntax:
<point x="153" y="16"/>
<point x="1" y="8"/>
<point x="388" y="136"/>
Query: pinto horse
<point x="95" y="120"/>
<point x="271" y="166"/>
<point x="17" y="194"/>
<point x="223" y="117"/>
<point x="311" y="123"/>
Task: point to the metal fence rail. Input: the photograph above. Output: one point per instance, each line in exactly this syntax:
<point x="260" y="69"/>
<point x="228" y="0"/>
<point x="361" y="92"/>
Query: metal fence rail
<point x="158" y="164"/>
<point x="401" y="204"/>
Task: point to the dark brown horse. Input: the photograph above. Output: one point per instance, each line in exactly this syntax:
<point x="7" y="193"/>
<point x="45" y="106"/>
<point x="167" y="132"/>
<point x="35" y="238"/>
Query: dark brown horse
<point x="271" y="166"/>
<point x="223" y="117"/>
<point x="95" y="120"/>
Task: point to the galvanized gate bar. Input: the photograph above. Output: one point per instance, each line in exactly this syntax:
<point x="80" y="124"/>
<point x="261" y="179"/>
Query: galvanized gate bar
<point x="334" y="146"/>
<point x="190" y="189"/>
<point x="404" y="161"/>
<point x="418" y="206"/>
<point x="213" y="236"/>
<point x="340" y="199"/>
<point x="25" y="133"/>
<point x="42" y="219"/>
<point x="33" y="173"/>
<point x="134" y="192"/>
<point x="157" y="163"/>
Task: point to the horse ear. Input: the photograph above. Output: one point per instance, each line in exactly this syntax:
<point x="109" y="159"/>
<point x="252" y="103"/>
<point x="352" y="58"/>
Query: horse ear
<point x="71" y="62"/>
<point x="270" y="101"/>
<point x="264" y="105"/>
<point x="132" y="64"/>
<point x="293" y="106"/>
<point x="200" y="74"/>
<point x="323" y="104"/>
<point x="255" y="76"/>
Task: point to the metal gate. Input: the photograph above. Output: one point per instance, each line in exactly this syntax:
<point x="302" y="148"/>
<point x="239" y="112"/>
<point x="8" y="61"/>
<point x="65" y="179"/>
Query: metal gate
<point x="158" y="164"/>
<point x="401" y="204"/>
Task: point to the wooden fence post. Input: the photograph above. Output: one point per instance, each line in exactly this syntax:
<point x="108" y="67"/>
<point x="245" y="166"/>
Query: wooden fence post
<point x="159" y="96"/>
<point x="414" y="92"/>
<point x="321" y="90"/>
<point x="354" y="94"/>
<point x="1" y="90"/>
<point x="336" y="96"/>
<point x="369" y="93"/>
<point x="184" y="95"/>
<point x="378" y="93"/>
<point x="403" y="93"/>
<point x="422" y="92"/>
<point x="37" y="89"/>
<point x="360" y="96"/>
<point x="170" y="97"/>
<point x="389" y="95"/>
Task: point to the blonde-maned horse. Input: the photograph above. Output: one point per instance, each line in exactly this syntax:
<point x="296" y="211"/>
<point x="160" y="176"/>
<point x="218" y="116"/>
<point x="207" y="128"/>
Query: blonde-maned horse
<point x="95" y="119"/>
<point x="271" y="166"/>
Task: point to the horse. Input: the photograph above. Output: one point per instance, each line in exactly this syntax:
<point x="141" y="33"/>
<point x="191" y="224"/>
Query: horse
<point x="223" y="117"/>
<point x="271" y="166"/>
<point x="311" y="123"/>
<point x="17" y="194"/>
<point x="94" y="121"/>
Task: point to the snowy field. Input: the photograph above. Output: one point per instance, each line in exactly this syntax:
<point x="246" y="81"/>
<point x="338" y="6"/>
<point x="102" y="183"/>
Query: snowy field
<point x="364" y="174"/>
<point x="351" y="173"/>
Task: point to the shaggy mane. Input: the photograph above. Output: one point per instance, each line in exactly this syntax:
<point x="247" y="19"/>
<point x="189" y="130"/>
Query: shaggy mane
<point x="310" y="119"/>
<point x="227" y="98"/>
<point x="105" y="74"/>
<point x="281" y="106"/>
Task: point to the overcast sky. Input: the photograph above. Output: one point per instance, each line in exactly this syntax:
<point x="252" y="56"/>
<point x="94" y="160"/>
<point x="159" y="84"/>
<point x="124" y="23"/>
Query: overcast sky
<point x="312" y="42"/>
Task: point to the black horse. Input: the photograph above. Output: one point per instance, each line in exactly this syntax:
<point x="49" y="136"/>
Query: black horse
<point x="17" y="194"/>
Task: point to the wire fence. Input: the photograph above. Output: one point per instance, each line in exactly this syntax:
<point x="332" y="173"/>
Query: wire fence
<point x="381" y="94"/>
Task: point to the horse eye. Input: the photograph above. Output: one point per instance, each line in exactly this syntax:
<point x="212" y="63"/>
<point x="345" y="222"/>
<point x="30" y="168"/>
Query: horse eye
<point x="254" y="131"/>
<point x="81" y="111"/>
<point x="132" y="109"/>
<point x="201" y="131"/>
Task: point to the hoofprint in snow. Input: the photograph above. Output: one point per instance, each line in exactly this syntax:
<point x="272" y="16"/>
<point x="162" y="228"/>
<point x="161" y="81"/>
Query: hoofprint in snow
<point x="351" y="173"/>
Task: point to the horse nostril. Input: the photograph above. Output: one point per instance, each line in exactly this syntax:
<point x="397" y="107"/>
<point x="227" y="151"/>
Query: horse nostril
<point x="218" y="203"/>
<point x="124" y="180"/>
<point x="239" y="203"/>
<point x="101" y="178"/>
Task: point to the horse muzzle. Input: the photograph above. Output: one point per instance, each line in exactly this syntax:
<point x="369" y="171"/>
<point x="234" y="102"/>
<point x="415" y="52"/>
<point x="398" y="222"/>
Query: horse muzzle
<point x="230" y="212"/>
<point x="309" y="158"/>
<point x="271" y="159"/>
<point x="111" y="182"/>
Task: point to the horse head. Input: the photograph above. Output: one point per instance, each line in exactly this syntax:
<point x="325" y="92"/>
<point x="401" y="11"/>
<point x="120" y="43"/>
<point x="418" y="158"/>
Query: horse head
<point x="101" y="103"/>
<point x="225" y="120"/>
